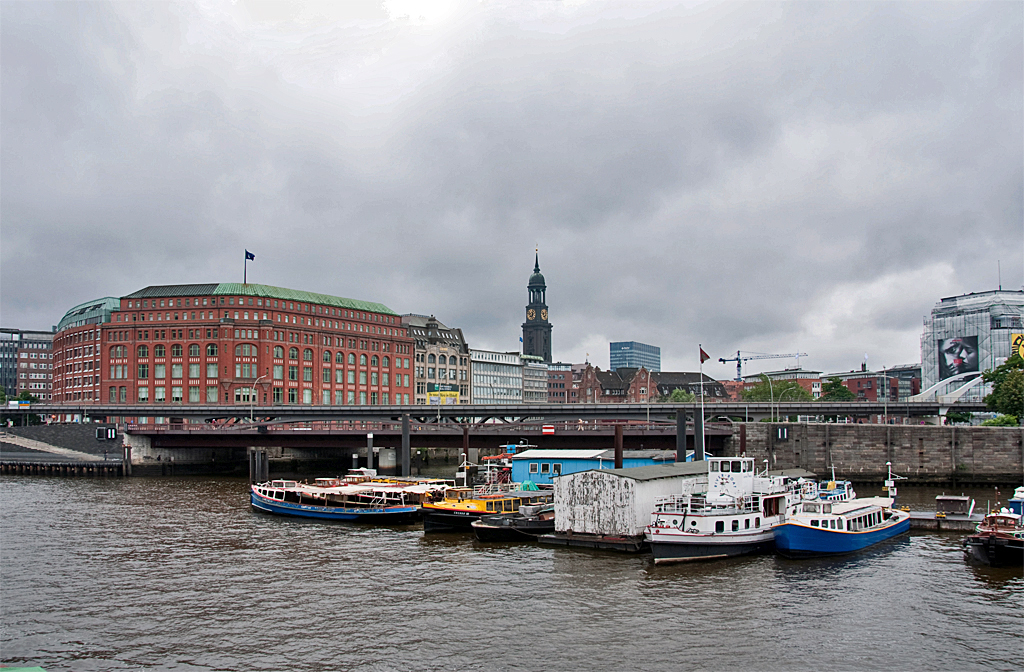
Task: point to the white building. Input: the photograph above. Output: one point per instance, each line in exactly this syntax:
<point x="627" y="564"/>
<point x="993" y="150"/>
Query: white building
<point x="497" y="377"/>
<point x="535" y="380"/>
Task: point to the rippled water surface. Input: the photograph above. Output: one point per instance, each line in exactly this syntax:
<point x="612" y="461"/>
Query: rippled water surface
<point x="180" y="574"/>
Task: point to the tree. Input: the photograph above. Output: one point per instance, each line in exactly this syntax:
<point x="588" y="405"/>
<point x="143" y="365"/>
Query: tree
<point x="1007" y="380"/>
<point x="787" y="390"/>
<point x="834" y="390"/>
<point x="1001" y="421"/>
<point x="958" y="417"/>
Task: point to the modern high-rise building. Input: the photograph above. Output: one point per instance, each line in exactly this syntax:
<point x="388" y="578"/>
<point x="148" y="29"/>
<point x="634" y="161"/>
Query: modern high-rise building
<point x="633" y="355"/>
<point x="537" y="329"/>
<point x="970" y="333"/>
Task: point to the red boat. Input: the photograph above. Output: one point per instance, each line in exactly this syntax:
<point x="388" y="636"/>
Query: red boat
<point x="998" y="541"/>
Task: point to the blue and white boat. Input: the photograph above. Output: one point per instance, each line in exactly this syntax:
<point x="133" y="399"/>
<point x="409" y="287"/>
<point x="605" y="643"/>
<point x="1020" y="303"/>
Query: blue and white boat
<point x="333" y="499"/>
<point x="815" y="527"/>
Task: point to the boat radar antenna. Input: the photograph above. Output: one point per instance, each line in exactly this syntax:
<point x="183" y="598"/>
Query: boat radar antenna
<point x="766" y="468"/>
<point x="890" y="481"/>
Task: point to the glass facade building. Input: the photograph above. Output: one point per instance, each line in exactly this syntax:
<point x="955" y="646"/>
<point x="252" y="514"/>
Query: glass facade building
<point x="633" y="355"/>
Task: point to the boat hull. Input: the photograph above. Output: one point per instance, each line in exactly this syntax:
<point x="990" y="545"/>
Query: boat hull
<point x="448" y="521"/>
<point x="995" y="550"/>
<point x="668" y="549"/>
<point x="388" y="515"/>
<point x="798" y="541"/>
<point x="511" y="529"/>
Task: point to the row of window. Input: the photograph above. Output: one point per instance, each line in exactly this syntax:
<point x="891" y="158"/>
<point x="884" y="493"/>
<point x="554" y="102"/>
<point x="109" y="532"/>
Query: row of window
<point x="259" y="302"/>
<point x="248" y="395"/>
<point x="252" y="350"/>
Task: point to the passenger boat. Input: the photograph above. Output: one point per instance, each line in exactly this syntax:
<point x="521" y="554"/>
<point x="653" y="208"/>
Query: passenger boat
<point x="736" y="515"/>
<point x="338" y="499"/>
<point x="834" y="528"/>
<point x="456" y="510"/>
<point x="823" y="526"/>
<point x="998" y="540"/>
<point x="529" y="523"/>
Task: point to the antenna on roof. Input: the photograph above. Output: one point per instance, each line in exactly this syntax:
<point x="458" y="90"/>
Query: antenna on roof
<point x="999" y="273"/>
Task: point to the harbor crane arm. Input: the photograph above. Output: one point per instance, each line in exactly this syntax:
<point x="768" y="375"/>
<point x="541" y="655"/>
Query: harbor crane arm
<point x="740" y="358"/>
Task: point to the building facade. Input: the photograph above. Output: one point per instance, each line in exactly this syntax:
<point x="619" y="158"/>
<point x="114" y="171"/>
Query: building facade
<point x="497" y="377"/>
<point x="970" y="333"/>
<point x="633" y="355"/>
<point x="559" y="383"/>
<point x="537" y="329"/>
<point x="442" y="361"/>
<point x="640" y="386"/>
<point x="810" y="381"/>
<point x="231" y="343"/>
<point x="535" y="380"/>
<point x="26" y="363"/>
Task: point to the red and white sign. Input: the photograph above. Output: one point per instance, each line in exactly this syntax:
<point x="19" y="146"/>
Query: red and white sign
<point x="549" y="429"/>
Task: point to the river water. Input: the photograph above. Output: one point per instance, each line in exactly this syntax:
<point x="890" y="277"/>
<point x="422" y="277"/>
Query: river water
<point x="180" y="574"/>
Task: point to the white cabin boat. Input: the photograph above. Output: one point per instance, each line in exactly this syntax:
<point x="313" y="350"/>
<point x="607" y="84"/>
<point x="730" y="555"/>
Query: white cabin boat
<point x="735" y="516"/>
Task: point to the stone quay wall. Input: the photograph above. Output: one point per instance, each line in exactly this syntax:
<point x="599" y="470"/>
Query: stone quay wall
<point x="925" y="454"/>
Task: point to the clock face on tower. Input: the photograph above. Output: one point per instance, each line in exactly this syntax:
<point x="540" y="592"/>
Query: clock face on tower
<point x="543" y="313"/>
<point x="531" y="314"/>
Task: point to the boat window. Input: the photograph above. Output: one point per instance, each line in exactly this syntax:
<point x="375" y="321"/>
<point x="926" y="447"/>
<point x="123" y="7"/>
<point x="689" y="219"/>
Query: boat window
<point x="746" y="524"/>
<point x="826" y="508"/>
<point x="736" y="466"/>
<point x="720" y="526"/>
<point x="811" y="508"/>
<point x="545" y="468"/>
<point x="556" y="467"/>
<point x="714" y="466"/>
<point x="814" y="523"/>
<point x="490" y="506"/>
<point x="725" y="466"/>
<point x="735" y="525"/>
<point x="757" y="522"/>
<point x="533" y="467"/>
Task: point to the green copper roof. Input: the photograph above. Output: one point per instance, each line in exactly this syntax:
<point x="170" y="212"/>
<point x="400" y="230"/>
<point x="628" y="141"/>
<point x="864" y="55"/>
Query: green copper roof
<point x="91" y="312"/>
<point x="264" y="291"/>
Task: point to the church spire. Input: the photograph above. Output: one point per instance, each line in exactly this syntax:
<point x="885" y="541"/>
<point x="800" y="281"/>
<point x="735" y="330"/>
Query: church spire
<point x="536" y="261"/>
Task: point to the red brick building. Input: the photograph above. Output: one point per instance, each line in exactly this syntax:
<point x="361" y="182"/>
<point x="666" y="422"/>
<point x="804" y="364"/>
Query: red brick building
<point x="638" y="386"/>
<point x="231" y="343"/>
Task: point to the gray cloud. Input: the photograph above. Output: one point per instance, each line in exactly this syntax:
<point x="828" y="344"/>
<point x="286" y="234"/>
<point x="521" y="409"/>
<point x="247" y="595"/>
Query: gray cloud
<point x="726" y="174"/>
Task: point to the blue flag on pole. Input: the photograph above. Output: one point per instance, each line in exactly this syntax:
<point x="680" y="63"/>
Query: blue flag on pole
<point x="250" y="255"/>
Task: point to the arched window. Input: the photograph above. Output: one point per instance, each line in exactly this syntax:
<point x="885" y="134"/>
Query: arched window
<point x="159" y="350"/>
<point x="387" y="362"/>
<point x="442" y="359"/>
<point x="293" y="353"/>
<point x="176" y="350"/>
<point x="211" y="349"/>
<point x="351" y="358"/>
<point x="193" y="350"/>
<point x="362" y="360"/>
<point x="339" y="358"/>
<point x="374" y="360"/>
<point x="327" y="356"/>
<point x="431" y="359"/>
<point x="143" y="351"/>
<point x="278" y="352"/>
<point x="307" y="355"/>
<point x="246" y="350"/>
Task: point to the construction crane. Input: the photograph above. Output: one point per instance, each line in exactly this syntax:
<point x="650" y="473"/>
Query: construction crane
<point x="740" y="358"/>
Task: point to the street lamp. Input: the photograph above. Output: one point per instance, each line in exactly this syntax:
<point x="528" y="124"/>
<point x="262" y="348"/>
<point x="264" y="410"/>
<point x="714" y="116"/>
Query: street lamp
<point x="252" y="395"/>
<point x="771" y="401"/>
<point x="783" y="394"/>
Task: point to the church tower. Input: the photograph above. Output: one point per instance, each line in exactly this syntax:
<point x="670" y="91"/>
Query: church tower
<point x="537" y="329"/>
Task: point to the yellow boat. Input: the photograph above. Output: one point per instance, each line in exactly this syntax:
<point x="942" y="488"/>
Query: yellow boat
<point x="459" y="507"/>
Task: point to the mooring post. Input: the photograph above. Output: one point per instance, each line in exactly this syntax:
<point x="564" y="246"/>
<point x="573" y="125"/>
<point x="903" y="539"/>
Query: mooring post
<point x="406" y="467"/>
<point x="698" y="435"/>
<point x="369" y="450"/>
<point x="618" y="446"/>
<point x="680" y="436"/>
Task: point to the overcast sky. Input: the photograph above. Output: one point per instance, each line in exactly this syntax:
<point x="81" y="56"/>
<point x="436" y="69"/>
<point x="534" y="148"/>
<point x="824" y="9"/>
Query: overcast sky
<point x="775" y="178"/>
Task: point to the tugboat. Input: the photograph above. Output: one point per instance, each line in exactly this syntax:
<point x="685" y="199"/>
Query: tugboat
<point x="998" y="541"/>
<point x="736" y="516"/>
<point x="531" y="522"/>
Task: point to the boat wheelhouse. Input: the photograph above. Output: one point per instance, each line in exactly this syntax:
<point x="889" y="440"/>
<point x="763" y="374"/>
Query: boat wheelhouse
<point x="735" y="516"/>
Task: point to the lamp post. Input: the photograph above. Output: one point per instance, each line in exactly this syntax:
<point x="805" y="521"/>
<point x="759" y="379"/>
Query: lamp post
<point x="771" y="402"/>
<point x="783" y="394"/>
<point x="252" y="395"/>
<point x="885" y="399"/>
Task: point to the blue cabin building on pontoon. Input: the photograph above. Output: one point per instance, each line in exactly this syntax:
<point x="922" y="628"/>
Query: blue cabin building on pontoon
<point x="542" y="465"/>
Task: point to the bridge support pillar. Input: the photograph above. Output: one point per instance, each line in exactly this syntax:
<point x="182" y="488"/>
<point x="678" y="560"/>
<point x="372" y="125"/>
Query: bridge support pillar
<point x="618" y="446"/>
<point x="369" y="450"/>
<point x="406" y="458"/>
<point x="680" y="436"/>
<point x="698" y="435"/>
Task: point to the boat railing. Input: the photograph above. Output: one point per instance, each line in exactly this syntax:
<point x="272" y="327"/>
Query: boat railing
<point x="699" y="504"/>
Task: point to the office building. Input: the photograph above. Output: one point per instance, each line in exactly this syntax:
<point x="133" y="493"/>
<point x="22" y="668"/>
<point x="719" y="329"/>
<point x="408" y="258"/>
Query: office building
<point x="442" y="364"/>
<point x="633" y="355"/>
<point x="497" y="377"/>
<point x="26" y="363"/>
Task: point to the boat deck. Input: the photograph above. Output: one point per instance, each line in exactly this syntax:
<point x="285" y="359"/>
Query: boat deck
<point x="622" y="544"/>
<point x="952" y="522"/>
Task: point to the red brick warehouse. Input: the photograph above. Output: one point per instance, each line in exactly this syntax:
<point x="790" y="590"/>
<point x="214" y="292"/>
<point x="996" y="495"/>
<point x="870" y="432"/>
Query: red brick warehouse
<point x="220" y="343"/>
